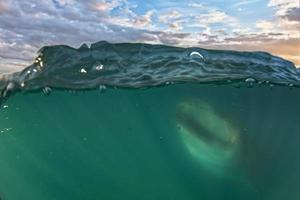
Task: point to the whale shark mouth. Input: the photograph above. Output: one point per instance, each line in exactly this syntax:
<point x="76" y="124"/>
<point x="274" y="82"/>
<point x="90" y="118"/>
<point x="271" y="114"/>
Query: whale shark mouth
<point x="199" y="130"/>
<point x="209" y="138"/>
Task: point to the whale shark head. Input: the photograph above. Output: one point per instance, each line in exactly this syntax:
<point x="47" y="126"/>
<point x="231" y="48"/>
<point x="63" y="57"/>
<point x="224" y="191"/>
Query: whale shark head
<point x="208" y="137"/>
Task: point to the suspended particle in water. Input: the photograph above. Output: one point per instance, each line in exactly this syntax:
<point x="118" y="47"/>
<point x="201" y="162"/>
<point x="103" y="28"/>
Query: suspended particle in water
<point x="5" y="130"/>
<point x="73" y="92"/>
<point x="260" y="83"/>
<point x="236" y="85"/>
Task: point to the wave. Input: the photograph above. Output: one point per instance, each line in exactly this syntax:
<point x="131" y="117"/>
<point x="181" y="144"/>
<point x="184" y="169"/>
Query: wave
<point x="139" y="65"/>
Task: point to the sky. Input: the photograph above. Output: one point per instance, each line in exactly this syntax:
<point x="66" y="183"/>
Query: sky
<point x="246" y="25"/>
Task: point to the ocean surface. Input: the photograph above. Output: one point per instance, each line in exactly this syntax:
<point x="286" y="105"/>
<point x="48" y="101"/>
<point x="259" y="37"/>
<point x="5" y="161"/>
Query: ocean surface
<point x="137" y="121"/>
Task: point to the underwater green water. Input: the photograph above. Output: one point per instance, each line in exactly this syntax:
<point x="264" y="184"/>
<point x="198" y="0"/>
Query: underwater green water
<point x="126" y="144"/>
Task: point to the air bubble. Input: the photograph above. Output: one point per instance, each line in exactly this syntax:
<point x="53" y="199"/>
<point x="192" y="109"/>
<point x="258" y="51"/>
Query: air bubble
<point x="83" y="71"/>
<point x="250" y="82"/>
<point x="102" y="88"/>
<point x="73" y="92"/>
<point x="260" y="83"/>
<point x="99" y="67"/>
<point x="47" y="90"/>
<point x="195" y="53"/>
<point x="10" y="86"/>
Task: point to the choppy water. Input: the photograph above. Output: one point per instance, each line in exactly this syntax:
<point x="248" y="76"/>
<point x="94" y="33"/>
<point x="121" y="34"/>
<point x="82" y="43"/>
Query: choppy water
<point x="180" y="141"/>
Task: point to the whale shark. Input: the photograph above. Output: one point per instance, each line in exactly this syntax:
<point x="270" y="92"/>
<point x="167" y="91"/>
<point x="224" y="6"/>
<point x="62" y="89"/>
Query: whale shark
<point x="215" y="143"/>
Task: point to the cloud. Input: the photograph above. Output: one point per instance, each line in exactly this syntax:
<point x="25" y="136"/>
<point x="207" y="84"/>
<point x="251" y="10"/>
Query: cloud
<point x="196" y="5"/>
<point x="26" y="26"/>
<point x="283" y="6"/>
<point x="285" y="21"/>
<point x="104" y="6"/>
<point x="3" y="6"/>
<point x="286" y="48"/>
<point x="145" y="20"/>
<point x="214" y="16"/>
<point x="265" y="26"/>
<point x="172" y="19"/>
<point x="176" y="26"/>
<point x="293" y="14"/>
<point x="165" y="18"/>
<point x="245" y="2"/>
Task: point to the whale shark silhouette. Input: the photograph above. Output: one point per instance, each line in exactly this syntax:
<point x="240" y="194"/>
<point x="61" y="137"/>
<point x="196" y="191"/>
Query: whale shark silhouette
<point x="216" y="144"/>
<point x="208" y="137"/>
